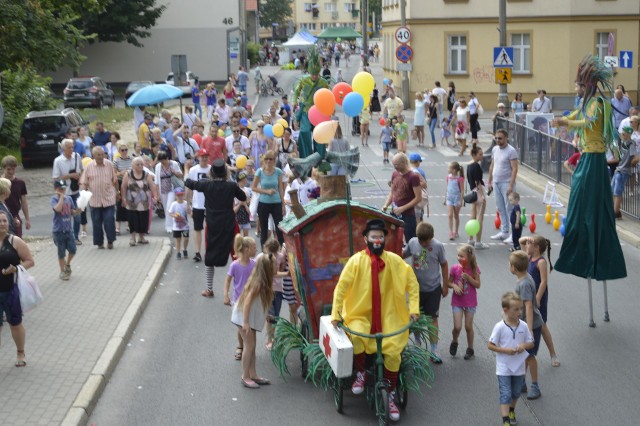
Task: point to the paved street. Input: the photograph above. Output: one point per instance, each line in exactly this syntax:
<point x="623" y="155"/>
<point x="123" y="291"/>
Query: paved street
<point x="177" y="367"/>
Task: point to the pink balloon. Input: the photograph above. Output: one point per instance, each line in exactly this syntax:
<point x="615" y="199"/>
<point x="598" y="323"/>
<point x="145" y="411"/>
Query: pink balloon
<point x="316" y="117"/>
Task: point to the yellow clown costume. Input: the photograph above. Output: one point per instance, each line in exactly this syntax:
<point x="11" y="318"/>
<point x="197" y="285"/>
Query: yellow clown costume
<point x="352" y="303"/>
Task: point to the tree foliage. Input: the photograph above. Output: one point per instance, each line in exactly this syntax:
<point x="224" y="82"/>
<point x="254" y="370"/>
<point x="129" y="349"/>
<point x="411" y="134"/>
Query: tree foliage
<point x="23" y="90"/>
<point x="274" y="11"/>
<point x="122" y="21"/>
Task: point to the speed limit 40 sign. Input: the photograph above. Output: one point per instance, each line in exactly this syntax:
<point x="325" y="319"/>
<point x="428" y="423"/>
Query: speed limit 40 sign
<point x="403" y="35"/>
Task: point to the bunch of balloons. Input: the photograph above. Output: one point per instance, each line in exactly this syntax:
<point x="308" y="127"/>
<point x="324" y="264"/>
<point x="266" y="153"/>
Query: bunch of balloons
<point x="352" y="98"/>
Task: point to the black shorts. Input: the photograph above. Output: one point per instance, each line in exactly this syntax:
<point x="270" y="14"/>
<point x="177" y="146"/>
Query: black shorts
<point x="181" y="234"/>
<point x="430" y="302"/>
<point x="198" y="219"/>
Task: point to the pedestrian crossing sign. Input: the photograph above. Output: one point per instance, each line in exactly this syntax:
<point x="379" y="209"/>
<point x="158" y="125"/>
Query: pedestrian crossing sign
<point x="503" y="75"/>
<point x="503" y="57"/>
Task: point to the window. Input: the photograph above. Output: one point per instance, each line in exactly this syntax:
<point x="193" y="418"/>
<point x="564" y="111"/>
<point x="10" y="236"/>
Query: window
<point x="521" y="44"/>
<point x="307" y="7"/>
<point x="330" y="7"/>
<point x="602" y="43"/>
<point x="457" y="54"/>
<point x="308" y="26"/>
<point x="348" y="7"/>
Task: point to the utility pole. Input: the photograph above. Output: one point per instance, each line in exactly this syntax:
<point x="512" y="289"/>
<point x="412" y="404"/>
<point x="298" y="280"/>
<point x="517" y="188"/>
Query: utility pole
<point x="365" y="31"/>
<point x="502" y="28"/>
<point x="405" y="74"/>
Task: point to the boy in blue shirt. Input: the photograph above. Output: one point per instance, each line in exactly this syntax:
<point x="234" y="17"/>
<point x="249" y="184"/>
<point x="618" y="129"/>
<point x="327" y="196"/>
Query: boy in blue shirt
<point x="64" y="207"/>
<point x="385" y="139"/>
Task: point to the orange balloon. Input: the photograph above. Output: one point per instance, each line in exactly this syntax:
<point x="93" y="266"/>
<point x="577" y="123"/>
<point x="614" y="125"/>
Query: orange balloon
<point x="341" y="90"/>
<point x="324" y="101"/>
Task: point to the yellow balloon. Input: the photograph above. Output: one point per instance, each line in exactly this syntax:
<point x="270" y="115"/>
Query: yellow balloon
<point x="86" y="161"/>
<point x="367" y="101"/>
<point x="241" y="161"/>
<point x="325" y="132"/>
<point x="278" y="130"/>
<point x="283" y="123"/>
<point x="363" y="83"/>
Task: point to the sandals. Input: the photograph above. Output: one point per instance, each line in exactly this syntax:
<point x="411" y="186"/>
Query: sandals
<point x="238" y="354"/>
<point x="132" y="243"/>
<point x="248" y="383"/>
<point x="261" y="380"/>
<point x="20" y="362"/>
<point x="143" y="241"/>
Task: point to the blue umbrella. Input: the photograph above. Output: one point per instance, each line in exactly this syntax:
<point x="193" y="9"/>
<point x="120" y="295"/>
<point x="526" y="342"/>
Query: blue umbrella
<point x="154" y="94"/>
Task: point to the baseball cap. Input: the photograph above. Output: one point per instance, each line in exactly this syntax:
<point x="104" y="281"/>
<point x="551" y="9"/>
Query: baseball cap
<point x="627" y="129"/>
<point x="241" y="175"/>
<point x="62" y="184"/>
<point x="179" y="190"/>
<point x="203" y="153"/>
<point x="414" y="156"/>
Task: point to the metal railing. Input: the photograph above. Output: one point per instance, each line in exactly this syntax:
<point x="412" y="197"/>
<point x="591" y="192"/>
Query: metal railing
<point x="546" y="154"/>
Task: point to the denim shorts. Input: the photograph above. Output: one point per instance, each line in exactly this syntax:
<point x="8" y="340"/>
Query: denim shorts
<point x="65" y="241"/>
<point x="510" y="387"/>
<point x="617" y="183"/>
<point x="10" y="304"/>
<point x="455" y="309"/>
<point x="386" y="146"/>
<point x="276" y="306"/>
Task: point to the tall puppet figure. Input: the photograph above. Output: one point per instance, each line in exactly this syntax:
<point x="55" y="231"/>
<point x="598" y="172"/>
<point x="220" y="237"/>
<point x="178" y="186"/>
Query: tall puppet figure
<point x="591" y="248"/>
<point x="303" y="96"/>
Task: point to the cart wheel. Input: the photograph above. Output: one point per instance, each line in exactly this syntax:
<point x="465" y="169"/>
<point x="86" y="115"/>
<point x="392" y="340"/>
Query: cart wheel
<point x="402" y="397"/>
<point x="303" y="360"/>
<point x="337" y="395"/>
<point x="382" y="406"/>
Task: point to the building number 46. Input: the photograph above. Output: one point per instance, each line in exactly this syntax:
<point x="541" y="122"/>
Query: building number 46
<point x="227" y="21"/>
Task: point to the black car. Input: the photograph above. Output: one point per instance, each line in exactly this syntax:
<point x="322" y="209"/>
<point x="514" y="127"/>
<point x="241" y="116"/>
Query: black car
<point x="134" y="86"/>
<point x="88" y="92"/>
<point x="42" y="131"/>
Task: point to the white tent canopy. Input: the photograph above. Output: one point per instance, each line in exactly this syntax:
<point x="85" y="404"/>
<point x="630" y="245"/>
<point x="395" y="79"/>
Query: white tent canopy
<point x="298" y="41"/>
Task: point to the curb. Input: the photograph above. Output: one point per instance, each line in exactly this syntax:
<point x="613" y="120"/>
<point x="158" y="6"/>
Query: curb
<point x="80" y="410"/>
<point x="535" y="182"/>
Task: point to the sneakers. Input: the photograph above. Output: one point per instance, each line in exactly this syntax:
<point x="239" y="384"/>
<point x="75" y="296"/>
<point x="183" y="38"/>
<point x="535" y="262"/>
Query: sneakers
<point x="185" y="254"/>
<point x="67" y="269"/>
<point x="534" y="392"/>
<point x="453" y="348"/>
<point x="512" y="418"/>
<point x="394" y="412"/>
<point x="469" y="354"/>
<point x="436" y="358"/>
<point x="481" y="246"/>
<point x="197" y="257"/>
<point x="509" y="240"/>
<point x="64" y="276"/>
<point x="358" y="384"/>
<point x="179" y="256"/>
<point x="471" y="243"/>
<point x="499" y="236"/>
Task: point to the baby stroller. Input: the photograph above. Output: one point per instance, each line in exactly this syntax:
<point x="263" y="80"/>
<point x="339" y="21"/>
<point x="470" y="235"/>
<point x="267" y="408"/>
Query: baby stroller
<point x="355" y="126"/>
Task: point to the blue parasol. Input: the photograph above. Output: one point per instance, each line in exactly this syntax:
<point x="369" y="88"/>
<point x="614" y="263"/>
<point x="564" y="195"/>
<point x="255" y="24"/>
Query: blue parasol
<point x="154" y="94"/>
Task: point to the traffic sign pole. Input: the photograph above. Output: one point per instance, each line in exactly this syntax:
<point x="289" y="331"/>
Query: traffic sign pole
<point x="503" y="96"/>
<point x="405" y="75"/>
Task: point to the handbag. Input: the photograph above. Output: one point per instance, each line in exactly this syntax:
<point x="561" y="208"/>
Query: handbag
<point x="425" y="198"/>
<point x="30" y="295"/>
<point x="480" y="110"/>
<point x="470" y="197"/>
<point x="176" y="182"/>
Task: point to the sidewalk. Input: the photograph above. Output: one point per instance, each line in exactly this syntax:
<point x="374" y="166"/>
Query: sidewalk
<point x="76" y="337"/>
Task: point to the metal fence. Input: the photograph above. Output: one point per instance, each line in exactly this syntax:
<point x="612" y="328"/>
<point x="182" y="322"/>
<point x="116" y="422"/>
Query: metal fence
<point x="546" y="155"/>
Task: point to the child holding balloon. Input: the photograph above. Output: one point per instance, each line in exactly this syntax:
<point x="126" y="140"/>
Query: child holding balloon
<point x="464" y="280"/>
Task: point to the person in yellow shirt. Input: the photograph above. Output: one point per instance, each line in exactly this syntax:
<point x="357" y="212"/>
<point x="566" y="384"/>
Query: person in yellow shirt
<point x="144" y="134"/>
<point x="371" y="297"/>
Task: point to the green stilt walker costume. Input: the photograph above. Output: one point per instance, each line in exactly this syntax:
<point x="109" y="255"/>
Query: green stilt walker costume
<point x="306" y="88"/>
<point x="591" y="248"/>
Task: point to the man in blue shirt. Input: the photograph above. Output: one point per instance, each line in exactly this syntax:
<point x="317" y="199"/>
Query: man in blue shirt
<point x="285" y="111"/>
<point x="170" y="133"/>
<point x="620" y="105"/>
<point x="195" y="97"/>
<point x="242" y="79"/>
<point x="101" y="137"/>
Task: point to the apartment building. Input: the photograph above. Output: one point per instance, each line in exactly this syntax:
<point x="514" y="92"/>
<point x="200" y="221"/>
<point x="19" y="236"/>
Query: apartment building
<point x="453" y="40"/>
<point x="314" y="17"/>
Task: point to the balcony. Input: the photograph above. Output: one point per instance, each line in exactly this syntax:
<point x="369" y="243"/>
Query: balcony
<point x="315" y="12"/>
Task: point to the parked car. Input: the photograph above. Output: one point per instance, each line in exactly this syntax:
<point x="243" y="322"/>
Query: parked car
<point x="134" y="86"/>
<point x="42" y="132"/>
<point x="88" y="92"/>
<point x="189" y="82"/>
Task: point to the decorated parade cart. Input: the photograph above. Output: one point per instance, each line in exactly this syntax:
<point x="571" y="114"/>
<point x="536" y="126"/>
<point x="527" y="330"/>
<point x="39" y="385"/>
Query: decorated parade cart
<point x="320" y="239"/>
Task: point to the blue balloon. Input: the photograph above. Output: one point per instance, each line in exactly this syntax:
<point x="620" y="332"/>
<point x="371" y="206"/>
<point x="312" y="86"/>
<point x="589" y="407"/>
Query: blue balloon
<point x="385" y="81"/>
<point x="268" y="130"/>
<point x="353" y="104"/>
<point x="565" y="113"/>
<point x="244" y="121"/>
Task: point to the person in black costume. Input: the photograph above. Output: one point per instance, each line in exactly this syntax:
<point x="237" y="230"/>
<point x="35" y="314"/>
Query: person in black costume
<point x="219" y="194"/>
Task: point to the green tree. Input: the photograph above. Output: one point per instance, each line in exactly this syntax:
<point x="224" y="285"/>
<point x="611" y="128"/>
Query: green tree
<point x="121" y="20"/>
<point x="277" y="11"/>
